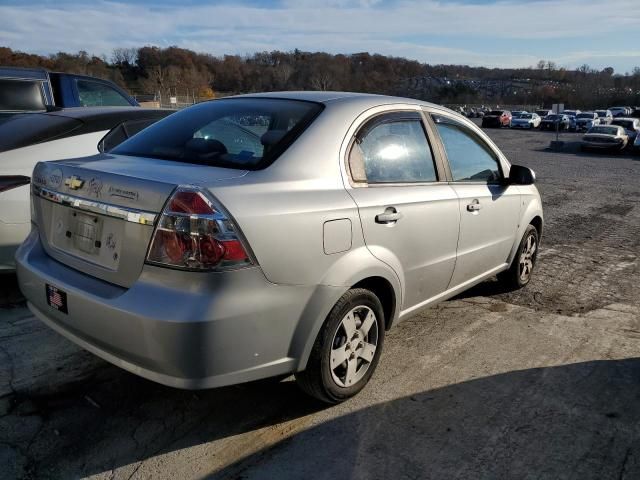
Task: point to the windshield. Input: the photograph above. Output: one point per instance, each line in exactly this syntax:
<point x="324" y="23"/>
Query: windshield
<point x="601" y="113"/>
<point x="605" y="130"/>
<point x="586" y="115"/>
<point x="243" y="133"/>
<point x="628" y="124"/>
<point x="552" y="117"/>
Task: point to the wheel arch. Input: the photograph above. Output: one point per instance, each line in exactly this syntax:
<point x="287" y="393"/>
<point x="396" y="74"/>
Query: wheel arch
<point x="372" y="274"/>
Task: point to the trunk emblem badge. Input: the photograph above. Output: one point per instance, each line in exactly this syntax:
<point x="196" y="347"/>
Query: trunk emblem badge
<point x="74" y="183"/>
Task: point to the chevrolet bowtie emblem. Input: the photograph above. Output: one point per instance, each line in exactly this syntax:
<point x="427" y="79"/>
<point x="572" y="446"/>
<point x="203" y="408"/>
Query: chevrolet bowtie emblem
<point x="74" y="183"/>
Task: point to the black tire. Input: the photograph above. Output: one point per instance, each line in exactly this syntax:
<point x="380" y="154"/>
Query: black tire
<point x="513" y="278"/>
<point x="317" y="379"/>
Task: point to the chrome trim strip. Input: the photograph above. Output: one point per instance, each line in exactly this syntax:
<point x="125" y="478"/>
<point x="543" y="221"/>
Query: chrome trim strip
<point x="93" y="206"/>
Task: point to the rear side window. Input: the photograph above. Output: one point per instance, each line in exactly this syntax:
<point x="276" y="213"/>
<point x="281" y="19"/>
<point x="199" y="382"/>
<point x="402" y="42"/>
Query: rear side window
<point x="21" y="95"/>
<point x="95" y="94"/>
<point x="470" y="159"/>
<point x="243" y="133"/>
<point x="394" y="149"/>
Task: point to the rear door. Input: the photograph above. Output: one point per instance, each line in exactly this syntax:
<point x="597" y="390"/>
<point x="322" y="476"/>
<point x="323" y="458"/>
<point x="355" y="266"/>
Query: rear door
<point x="409" y="213"/>
<point x="489" y="208"/>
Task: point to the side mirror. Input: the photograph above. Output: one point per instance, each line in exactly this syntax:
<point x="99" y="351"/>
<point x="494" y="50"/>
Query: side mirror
<point x="519" y="175"/>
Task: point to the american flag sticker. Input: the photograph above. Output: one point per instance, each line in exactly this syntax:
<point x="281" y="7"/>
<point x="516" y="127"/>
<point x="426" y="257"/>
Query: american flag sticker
<point x="57" y="299"/>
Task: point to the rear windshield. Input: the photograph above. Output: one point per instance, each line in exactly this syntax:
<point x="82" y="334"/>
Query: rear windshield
<point x="524" y="115"/>
<point x="496" y="112"/>
<point x="585" y="115"/>
<point x="21" y="95"/>
<point x="553" y="117"/>
<point x="243" y="133"/>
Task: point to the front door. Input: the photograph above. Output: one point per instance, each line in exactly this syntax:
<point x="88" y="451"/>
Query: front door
<point x="489" y="207"/>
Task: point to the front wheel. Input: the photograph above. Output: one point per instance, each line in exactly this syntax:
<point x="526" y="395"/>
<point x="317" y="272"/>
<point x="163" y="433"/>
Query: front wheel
<point x="521" y="269"/>
<point x="347" y="349"/>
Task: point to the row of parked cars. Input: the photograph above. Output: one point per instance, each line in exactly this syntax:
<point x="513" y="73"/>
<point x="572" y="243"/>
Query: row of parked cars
<point x="615" y="127"/>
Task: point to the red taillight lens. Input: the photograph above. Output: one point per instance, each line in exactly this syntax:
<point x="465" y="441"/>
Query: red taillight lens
<point x="193" y="233"/>
<point x="191" y="203"/>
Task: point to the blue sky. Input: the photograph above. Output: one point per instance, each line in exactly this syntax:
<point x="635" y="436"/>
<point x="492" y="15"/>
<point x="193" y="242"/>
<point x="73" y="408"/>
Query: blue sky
<point x="500" y="33"/>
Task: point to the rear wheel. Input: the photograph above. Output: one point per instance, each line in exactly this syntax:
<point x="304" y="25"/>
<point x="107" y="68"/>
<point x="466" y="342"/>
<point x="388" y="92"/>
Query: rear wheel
<point x="347" y="349"/>
<point x="521" y="269"/>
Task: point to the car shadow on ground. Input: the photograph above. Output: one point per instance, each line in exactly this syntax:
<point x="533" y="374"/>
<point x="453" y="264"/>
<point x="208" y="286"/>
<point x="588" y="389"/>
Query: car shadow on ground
<point x="577" y="421"/>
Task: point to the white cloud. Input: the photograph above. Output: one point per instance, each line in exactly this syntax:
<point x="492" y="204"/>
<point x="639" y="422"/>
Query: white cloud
<point x="397" y="28"/>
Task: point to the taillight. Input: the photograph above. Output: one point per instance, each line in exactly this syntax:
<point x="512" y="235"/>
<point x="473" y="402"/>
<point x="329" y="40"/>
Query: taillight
<point x="195" y="233"/>
<point x="12" y="181"/>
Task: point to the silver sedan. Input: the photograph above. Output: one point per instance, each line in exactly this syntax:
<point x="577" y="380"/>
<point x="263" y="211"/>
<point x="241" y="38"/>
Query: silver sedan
<point x="271" y="234"/>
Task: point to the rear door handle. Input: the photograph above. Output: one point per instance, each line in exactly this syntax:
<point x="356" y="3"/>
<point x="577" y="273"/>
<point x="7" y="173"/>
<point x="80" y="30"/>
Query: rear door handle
<point x="474" y="206"/>
<point x="390" y="215"/>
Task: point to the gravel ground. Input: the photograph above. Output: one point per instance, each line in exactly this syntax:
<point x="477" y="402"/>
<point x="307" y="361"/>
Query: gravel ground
<point x="538" y="383"/>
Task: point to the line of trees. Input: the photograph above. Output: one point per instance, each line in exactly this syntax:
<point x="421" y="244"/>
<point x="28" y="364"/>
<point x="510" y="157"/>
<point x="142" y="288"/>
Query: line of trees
<point x="178" y="71"/>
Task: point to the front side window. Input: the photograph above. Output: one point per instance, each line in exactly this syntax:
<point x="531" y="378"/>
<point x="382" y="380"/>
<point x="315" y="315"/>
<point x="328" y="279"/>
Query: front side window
<point x="470" y="159"/>
<point x="95" y="94"/>
<point x="394" y="149"/>
<point x="244" y="133"/>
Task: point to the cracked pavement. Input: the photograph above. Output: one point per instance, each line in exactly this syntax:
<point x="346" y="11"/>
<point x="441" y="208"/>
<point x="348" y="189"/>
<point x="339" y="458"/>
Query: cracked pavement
<point x="542" y="382"/>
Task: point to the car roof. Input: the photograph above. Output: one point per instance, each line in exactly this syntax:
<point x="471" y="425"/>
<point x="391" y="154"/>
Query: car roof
<point x="337" y="97"/>
<point x="24" y="73"/>
<point x="87" y="113"/>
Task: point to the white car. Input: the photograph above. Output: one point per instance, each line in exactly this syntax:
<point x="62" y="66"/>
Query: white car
<point x="28" y="138"/>
<point x="605" y="116"/>
<point x="525" y="120"/>
<point x="631" y="126"/>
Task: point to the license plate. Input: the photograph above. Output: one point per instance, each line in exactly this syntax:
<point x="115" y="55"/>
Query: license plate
<point x="56" y="298"/>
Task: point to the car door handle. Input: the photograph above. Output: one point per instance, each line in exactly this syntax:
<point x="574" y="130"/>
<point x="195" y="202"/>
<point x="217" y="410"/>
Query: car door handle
<point x="390" y="215"/>
<point x="474" y="206"/>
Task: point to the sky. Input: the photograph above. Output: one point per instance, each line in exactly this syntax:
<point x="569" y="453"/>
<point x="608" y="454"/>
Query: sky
<point x="492" y="33"/>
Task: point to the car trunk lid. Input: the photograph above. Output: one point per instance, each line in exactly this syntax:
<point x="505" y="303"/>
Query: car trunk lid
<point x="97" y="214"/>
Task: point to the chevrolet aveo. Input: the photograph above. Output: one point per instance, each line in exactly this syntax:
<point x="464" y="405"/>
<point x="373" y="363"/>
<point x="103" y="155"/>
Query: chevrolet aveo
<point x="270" y="234"/>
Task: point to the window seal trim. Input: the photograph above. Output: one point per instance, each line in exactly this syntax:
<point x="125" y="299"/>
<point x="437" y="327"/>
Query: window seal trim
<point x="394" y="116"/>
<point x="497" y="156"/>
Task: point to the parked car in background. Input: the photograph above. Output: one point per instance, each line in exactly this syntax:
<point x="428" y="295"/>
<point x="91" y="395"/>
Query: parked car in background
<point x="618" y="111"/>
<point x="605" y="116"/>
<point x="636" y="145"/>
<point x="497" y="118"/>
<point x="210" y="259"/>
<point x="518" y="112"/>
<point x="630" y="125"/>
<point x="555" y="121"/>
<point x="586" y="120"/>
<point x="525" y="120"/>
<point x="28" y="138"/>
<point x="38" y="90"/>
<point x="605" y="137"/>
<point x="543" y="113"/>
<point x="573" y="121"/>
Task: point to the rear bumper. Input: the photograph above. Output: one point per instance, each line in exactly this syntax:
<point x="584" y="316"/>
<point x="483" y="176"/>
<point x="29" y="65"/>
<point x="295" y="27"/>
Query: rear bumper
<point x="182" y="329"/>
